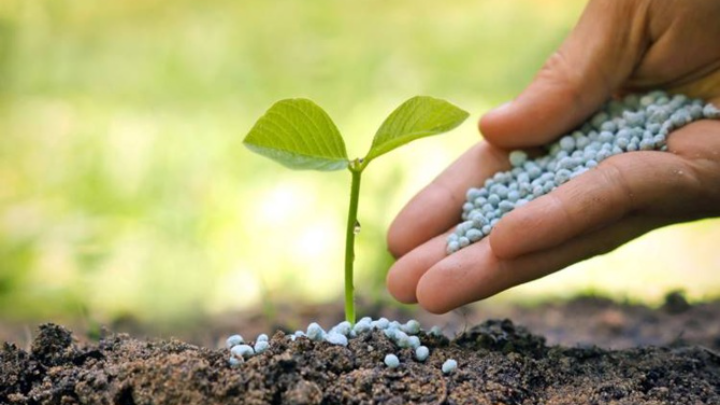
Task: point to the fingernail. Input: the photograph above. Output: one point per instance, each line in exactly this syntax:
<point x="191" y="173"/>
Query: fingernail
<point x="489" y="117"/>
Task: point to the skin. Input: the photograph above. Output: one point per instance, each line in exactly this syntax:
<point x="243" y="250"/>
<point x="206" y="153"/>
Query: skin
<point x="617" y="47"/>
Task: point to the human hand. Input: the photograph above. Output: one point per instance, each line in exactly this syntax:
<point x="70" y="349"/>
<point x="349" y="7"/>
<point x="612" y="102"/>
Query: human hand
<point x="617" y="47"/>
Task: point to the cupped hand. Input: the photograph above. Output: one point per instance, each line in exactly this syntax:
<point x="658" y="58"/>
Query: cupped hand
<point x="617" y="47"/>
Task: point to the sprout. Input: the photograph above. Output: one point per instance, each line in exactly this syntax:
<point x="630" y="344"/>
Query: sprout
<point x="298" y="134"/>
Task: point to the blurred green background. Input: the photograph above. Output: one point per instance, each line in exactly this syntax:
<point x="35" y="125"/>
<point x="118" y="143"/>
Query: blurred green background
<point x="124" y="189"/>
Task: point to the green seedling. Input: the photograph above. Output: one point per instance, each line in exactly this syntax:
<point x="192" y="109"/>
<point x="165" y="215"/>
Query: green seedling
<point x="300" y="135"/>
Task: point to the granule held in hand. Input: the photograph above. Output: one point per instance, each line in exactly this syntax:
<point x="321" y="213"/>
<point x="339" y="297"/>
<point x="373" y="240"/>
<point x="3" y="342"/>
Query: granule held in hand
<point x="635" y="123"/>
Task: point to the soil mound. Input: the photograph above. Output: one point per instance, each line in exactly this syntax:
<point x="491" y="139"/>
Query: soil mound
<point x="499" y="363"/>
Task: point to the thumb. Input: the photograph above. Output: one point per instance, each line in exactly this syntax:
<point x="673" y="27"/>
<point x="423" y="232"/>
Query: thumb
<point x="591" y="65"/>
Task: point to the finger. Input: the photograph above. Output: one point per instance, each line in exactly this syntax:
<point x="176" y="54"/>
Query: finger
<point x="403" y="276"/>
<point x="618" y="186"/>
<point x="475" y="273"/>
<point x="583" y="73"/>
<point x="439" y="205"/>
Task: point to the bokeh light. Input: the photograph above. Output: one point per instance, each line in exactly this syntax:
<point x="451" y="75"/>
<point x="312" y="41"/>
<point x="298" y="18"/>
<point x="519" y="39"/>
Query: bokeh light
<point x="124" y="187"/>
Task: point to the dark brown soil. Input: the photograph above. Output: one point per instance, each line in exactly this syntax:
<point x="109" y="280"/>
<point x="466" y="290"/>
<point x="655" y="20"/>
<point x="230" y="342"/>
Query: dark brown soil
<point x="499" y="363"/>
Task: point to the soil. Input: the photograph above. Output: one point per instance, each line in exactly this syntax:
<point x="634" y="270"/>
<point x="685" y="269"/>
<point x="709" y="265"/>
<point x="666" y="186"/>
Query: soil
<point x="499" y="362"/>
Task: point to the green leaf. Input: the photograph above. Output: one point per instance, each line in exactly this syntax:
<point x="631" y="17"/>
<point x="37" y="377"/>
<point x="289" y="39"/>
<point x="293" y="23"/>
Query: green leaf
<point x="298" y="134"/>
<point x="416" y="118"/>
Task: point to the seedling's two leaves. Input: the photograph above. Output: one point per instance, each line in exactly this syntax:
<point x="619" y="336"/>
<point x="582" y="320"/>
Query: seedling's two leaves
<point x="416" y="118"/>
<point x="298" y="134"/>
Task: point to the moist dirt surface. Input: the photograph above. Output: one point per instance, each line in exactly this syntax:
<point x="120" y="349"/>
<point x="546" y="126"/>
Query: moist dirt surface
<point x="662" y="356"/>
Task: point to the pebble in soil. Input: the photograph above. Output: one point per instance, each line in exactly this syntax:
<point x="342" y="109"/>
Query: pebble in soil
<point x="404" y="336"/>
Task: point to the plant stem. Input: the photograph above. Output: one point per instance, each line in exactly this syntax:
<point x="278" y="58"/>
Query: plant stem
<point x="356" y="170"/>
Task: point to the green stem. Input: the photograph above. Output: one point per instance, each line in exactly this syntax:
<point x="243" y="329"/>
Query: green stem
<point x="356" y="170"/>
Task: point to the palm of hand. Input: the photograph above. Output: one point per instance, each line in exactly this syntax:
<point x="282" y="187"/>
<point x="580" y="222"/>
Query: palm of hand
<point x="626" y="196"/>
